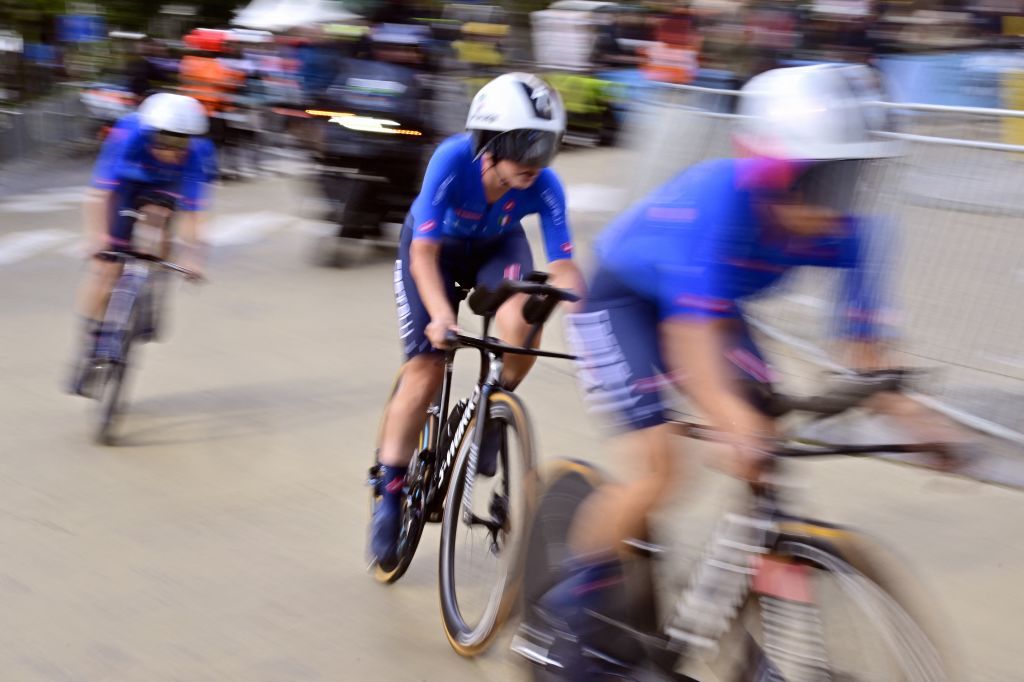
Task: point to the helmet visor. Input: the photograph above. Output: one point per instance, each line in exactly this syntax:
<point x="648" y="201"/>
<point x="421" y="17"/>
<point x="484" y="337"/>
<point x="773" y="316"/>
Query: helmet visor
<point x="164" y="140"/>
<point x="535" y="148"/>
<point x="832" y="184"/>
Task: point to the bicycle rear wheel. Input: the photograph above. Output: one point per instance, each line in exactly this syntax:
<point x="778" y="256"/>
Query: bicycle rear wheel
<point x="826" y="606"/>
<point x="414" y="495"/>
<point x="481" y="562"/>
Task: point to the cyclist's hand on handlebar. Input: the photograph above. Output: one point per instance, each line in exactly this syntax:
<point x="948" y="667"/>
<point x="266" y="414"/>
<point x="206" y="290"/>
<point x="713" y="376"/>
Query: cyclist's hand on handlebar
<point x="192" y="260"/>
<point x="745" y="457"/>
<point x="439" y="331"/>
<point x="750" y="439"/>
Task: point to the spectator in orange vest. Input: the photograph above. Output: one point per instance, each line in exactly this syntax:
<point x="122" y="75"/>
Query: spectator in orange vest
<point x="674" y="59"/>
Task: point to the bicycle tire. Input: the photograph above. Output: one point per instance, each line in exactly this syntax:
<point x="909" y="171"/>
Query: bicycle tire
<point x="413" y="505"/>
<point x="868" y="583"/>
<point x="471" y="640"/>
<point x="567" y="484"/>
<point x="111" y="400"/>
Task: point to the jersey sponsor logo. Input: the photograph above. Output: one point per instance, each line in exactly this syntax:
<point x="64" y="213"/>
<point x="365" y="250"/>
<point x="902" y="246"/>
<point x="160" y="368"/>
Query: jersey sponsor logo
<point x="427" y="226"/>
<point x="467" y="214"/>
<point x="513" y="271"/>
<point x="657" y="382"/>
<point x="714" y="305"/>
<point x="556" y="207"/>
<point x="567" y="247"/>
<point x="761" y="266"/>
<point x="442" y="189"/>
<point x="509" y="205"/>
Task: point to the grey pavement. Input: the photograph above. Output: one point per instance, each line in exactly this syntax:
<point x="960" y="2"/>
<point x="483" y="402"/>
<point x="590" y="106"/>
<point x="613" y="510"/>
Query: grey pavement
<point x="224" y="539"/>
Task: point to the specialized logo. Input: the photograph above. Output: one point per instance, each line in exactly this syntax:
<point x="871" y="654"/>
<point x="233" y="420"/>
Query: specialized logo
<point x="460" y="432"/>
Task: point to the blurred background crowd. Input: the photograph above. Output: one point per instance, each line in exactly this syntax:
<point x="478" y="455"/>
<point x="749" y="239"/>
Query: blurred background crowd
<point x="269" y="56"/>
<point x="358" y="93"/>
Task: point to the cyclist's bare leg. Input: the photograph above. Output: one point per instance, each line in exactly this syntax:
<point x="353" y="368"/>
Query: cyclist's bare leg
<point x="618" y="511"/>
<point x="513" y="329"/>
<point x="101" y="277"/>
<point x="403" y="417"/>
<point x="94" y="292"/>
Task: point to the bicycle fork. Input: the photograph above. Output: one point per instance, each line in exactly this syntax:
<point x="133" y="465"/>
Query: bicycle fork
<point x="494" y="369"/>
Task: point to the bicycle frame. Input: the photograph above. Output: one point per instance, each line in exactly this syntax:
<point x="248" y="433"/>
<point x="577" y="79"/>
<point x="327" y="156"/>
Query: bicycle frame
<point x="488" y="384"/>
<point x="136" y="274"/>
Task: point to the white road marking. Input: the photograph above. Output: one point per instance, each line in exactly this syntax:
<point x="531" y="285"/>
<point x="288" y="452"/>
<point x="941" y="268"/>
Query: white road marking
<point x="244" y="228"/>
<point x="20" y="245"/>
<point x="51" y="200"/>
<point x="594" y="198"/>
<point x="75" y="249"/>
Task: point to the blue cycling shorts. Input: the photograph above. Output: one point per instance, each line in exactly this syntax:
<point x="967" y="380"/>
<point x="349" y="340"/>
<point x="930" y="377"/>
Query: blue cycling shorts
<point x="128" y="198"/>
<point x="621" y="370"/>
<point x="466" y="262"/>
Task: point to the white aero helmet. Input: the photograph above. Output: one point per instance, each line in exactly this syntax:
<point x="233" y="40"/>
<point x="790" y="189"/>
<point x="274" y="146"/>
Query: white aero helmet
<point x="517" y="117"/>
<point x="170" y="113"/>
<point x="812" y="113"/>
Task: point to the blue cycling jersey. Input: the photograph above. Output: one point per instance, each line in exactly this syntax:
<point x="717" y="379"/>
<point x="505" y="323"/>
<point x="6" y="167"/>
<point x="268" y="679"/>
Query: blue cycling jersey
<point x="452" y="203"/>
<point x="127" y="160"/>
<point x="703" y="241"/>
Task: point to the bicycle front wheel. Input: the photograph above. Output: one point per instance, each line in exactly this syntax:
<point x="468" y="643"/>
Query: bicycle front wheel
<point x="481" y="559"/>
<point x="828" y="605"/>
<point x="111" y="391"/>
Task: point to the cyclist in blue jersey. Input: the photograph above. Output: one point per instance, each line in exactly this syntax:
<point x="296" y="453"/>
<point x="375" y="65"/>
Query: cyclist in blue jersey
<point x="154" y="162"/>
<point x="664" y="305"/>
<point x="464" y="228"/>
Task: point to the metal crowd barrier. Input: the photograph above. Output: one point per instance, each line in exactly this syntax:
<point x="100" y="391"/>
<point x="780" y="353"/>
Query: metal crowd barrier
<point x="950" y="209"/>
<point x="42" y="126"/>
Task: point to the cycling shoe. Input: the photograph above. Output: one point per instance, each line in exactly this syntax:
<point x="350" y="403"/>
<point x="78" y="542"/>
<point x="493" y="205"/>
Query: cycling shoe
<point x="386" y="523"/>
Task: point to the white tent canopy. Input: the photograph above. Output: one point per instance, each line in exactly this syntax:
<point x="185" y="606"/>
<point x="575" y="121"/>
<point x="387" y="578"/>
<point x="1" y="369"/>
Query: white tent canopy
<point x="281" y="15"/>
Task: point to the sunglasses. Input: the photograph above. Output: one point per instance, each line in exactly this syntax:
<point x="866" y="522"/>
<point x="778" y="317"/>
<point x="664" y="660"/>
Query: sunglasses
<point x="171" y="143"/>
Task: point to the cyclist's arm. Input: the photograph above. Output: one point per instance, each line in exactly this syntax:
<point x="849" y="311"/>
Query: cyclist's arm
<point x="428" y="214"/>
<point x="424" y="264"/>
<point x="565" y="274"/>
<point x="694" y="352"/>
<point x="99" y="201"/>
<point x="863" y="305"/>
<point x="196" y="193"/>
<point x="96" y="208"/>
<point x="697" y="308"/>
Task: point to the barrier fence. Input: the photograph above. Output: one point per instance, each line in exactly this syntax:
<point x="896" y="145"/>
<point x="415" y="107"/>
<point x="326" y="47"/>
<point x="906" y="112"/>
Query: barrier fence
<point x="57" y="120"/>
<point x="951" y="207"/>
